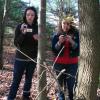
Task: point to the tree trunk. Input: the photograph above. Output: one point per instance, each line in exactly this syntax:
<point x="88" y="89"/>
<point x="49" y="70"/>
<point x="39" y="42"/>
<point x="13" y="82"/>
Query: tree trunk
<point x="3" y="19"/>
<point x="1" y="45"/>
<point x="42" y="51"/>
<point x="89" y="69"/>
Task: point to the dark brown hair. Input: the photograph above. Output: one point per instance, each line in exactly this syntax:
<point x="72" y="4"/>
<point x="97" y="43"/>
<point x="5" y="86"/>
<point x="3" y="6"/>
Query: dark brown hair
<point x="36" y="17"/>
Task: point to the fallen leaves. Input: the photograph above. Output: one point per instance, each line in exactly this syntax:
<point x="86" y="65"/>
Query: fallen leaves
<point x="6" y="76"/>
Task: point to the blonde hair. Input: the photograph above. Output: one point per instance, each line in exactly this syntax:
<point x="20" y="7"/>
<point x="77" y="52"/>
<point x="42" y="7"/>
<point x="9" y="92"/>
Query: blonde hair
<point x="69" y="19"/>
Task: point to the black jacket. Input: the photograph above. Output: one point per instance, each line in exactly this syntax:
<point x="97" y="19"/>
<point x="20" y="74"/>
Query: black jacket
<point x="74" y="52"/>
<point x="25" y="42"/>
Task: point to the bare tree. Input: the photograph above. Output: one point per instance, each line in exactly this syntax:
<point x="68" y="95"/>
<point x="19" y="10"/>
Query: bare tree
<point x="3" y="19"/>
<point x="89" y="69"/>
<point x="42" y="51"/>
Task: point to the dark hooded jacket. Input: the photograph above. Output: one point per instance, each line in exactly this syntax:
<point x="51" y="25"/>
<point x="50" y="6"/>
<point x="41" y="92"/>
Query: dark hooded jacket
<point x="25" y="42"/>
<point x="74" y="52"/>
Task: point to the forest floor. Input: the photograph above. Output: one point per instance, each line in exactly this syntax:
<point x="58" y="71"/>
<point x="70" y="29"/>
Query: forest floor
<point x="6" y="75"/>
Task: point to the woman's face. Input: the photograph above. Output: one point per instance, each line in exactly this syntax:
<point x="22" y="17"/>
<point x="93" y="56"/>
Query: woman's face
<point x="30" y="15"/>
<point x="65" y="25"/>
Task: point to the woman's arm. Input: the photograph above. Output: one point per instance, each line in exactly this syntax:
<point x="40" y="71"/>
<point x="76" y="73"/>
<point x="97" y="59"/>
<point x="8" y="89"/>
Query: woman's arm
<point x="19" y="36"/>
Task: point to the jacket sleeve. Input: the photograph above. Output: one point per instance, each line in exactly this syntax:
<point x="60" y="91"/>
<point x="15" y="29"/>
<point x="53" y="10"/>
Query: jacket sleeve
<point x="77" y="46"/>
<point x="56" y="49"/>
<point x="19" y="37"/>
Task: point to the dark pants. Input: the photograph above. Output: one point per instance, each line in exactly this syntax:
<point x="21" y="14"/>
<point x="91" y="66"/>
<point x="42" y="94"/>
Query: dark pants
<point x="66" y="80"/>
<point x="19" y="68"/>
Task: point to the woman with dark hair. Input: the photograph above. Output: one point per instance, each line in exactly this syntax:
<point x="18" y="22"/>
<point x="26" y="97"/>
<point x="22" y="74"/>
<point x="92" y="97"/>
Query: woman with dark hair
<point x="65" y="45"/>
<point x="26" y="40"/>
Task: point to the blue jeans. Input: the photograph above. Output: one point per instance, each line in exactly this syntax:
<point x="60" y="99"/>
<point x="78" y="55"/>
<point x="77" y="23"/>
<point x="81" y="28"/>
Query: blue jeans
<point x="19" y="68"/>
<point x="65" y="80"/>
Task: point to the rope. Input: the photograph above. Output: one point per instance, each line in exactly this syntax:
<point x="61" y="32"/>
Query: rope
<point x="57" y="56"/>
<point x="48" y="69"/>
<point x="62" y="71"/>
<point x="60" y="89"/>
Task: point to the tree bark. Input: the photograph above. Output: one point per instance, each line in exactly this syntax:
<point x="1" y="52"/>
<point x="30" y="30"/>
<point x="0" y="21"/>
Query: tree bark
<point x="2" y="28"/>
<point x="89" y="69"/>
<point x="42" y="51"/>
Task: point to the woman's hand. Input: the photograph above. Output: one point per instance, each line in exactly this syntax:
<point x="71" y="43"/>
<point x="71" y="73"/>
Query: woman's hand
<point x="61" y="39"/>
<point x="69" y="38"/>
<point x="35" y="36"/>
<point x="23" y="28"/>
